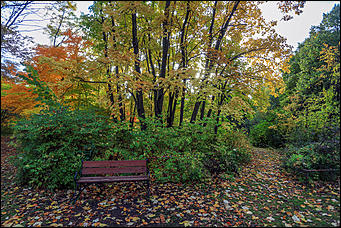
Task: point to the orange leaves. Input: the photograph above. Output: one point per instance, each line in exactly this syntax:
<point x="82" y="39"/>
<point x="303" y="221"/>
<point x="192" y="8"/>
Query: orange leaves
<point x="60" y="66"/>
<point x="16" y="97"/>
<point x="57" y="53"/>
<point x="162" y="218"/>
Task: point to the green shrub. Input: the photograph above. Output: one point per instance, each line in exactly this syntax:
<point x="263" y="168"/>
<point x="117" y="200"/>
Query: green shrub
<point x="174" y="153"/>
<point x="189" y="153"/>
<point x="299" y="158"/>
<point x="259" y="134"/>
<point x="53" y="143"/>
<point x="6" y="130"/>
<point x="321" y="155"/>
<point x="264" y="135"/>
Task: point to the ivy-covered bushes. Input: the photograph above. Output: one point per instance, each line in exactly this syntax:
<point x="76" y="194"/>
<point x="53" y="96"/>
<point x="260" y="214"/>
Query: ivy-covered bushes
<point x="53" y="143"/>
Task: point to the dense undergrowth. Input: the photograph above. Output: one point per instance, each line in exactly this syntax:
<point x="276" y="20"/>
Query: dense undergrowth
<point x="53" y="143"/>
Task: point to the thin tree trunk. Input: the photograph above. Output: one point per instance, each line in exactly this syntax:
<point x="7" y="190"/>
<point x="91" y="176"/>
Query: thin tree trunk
<point x="165" y="47"/>
<point x="209" y="59"/>
<point x="169" y="111"/>
<point x="120" y="100"/>
<point x="110" y="91"/>
<point x="217" y="122"/>
<point x="154" y="76"/>
<point x="184" y="63"/>
<point x="213" y="97"/>
<point x="132" y="115"/>
<point x="209" y="111"/>
<point x="139" y="93"/>
<point x="174" y="108"/>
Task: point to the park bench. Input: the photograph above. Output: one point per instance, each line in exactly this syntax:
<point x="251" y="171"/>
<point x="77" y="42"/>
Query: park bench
<point x="99" y="172"/>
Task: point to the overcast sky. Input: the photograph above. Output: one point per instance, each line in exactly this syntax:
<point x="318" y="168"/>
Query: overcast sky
<point x="295" y="30"/>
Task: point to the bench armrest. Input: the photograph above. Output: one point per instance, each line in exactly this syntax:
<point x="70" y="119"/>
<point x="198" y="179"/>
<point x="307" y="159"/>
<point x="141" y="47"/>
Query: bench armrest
<point x="147" y="166"/>
<point x="76" y="174"/>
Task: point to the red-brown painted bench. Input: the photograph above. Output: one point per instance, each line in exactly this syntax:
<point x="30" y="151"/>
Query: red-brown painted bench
<point x="95" y="172"/>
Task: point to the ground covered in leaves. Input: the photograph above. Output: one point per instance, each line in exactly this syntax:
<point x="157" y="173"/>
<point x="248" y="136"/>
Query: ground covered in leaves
<point x="262" y="195"/>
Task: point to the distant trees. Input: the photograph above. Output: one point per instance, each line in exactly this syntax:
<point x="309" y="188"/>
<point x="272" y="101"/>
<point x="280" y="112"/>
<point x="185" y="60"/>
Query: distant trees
<point x="313" y="80"/>
<point x="306" y="117"/>
<point x="27" y="16"/>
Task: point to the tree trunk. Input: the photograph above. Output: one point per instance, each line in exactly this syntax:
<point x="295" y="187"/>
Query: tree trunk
<point x="132" y="115"/>
<point x="170" y="108"/>
<point x="165" y="47"/>
<point x="217" y="122"/>
<point x="182" y="105"/>
<point x="209" y="59"/>
<point x="184" y="62"/>
<point x="139" y="93"/>
<point x="210" y="37"/>
<point x="110" y="91"/>
<point x="120" y="100"/>
<point x="174" y="108"/>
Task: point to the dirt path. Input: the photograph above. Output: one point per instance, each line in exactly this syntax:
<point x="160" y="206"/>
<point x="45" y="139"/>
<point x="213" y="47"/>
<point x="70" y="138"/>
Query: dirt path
<point x="267" y="195"/>
<point x="263" y="195"/>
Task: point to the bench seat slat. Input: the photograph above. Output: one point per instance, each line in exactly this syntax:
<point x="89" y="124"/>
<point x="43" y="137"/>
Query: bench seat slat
<point x="106" y="172"/>
<point x="114" y="163"/>
<point x="112" y="179"/>
<point x="87" y="171"/>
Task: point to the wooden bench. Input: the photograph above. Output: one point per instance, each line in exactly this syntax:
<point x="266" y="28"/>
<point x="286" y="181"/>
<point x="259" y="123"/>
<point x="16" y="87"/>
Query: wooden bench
<point x="95" y="172"/>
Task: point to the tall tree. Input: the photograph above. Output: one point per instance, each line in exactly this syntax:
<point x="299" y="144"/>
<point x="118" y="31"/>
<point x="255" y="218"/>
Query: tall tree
<point x="139" y="93"/>
<point x="165" y="47"/>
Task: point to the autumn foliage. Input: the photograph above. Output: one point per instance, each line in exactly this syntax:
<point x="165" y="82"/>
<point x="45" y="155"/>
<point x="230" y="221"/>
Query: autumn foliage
<point x="16" y="99"/>
<point x="57" y="66"/>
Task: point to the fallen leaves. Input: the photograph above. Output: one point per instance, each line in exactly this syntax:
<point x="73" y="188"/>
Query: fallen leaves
<point x="186" y="223"/>
<point x="261" y="196"/>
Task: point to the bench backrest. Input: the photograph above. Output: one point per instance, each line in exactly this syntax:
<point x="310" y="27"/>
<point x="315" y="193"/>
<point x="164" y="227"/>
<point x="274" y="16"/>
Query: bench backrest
<point x="114" y="167"/>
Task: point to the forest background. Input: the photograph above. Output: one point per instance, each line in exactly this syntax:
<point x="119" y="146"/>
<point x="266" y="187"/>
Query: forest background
<point x="188" y="85"/>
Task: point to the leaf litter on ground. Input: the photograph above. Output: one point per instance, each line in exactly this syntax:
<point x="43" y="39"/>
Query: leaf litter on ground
<point x="262" y="195"/>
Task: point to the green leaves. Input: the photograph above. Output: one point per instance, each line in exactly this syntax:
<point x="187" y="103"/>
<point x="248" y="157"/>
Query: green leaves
<point x="45" y="94"/>
<point x="54" y="142"/>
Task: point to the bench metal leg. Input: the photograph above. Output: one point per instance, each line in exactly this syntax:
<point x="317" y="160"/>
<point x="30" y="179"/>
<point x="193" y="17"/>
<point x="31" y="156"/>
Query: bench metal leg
<point x="79" y="193"/>
<point x="148" y="191"/>
<point x="74" y="194"/>
<point x="80" y="190"/>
